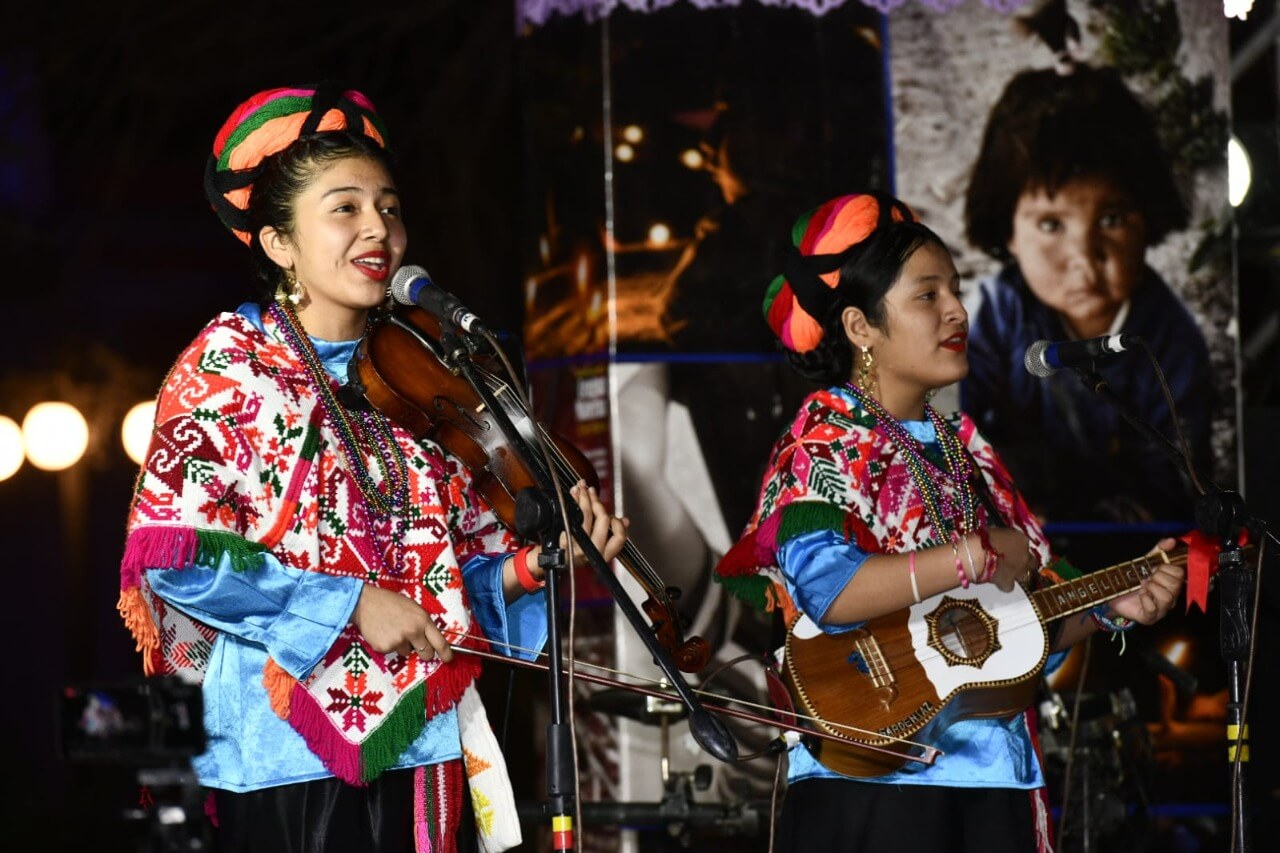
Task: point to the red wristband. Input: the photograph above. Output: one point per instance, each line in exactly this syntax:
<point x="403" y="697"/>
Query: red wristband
<point x="526" y="578"/>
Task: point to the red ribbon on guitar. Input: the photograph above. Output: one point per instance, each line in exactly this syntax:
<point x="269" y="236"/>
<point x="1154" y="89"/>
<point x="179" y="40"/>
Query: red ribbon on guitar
<point x="1202" y="564"/>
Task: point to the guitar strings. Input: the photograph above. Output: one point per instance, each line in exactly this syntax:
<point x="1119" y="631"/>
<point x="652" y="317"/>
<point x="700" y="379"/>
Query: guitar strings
<point x="894" y="660"/>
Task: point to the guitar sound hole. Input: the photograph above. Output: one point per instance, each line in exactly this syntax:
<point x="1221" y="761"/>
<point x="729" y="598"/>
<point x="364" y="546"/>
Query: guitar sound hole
<point x="962" y="633"/>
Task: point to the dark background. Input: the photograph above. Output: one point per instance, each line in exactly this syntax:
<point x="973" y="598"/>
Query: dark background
<point x="112" y="260"/>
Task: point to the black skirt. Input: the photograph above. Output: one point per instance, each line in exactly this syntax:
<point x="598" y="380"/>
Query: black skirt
<point x="820" y="815"/>
<point x="328" y="816"/>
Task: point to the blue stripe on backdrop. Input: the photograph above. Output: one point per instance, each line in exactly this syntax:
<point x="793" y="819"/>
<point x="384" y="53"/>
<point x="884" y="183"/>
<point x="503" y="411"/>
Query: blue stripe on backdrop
<point x="657" y="358"/>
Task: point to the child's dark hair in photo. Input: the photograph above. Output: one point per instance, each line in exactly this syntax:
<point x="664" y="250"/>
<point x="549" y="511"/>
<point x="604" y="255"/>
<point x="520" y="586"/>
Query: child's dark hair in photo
<point x="1070" y="188"/>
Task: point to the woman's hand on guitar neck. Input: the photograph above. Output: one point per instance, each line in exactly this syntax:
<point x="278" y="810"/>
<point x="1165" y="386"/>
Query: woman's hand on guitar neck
<point x="1016" y="562"/>
<point x="1157" y="595"/>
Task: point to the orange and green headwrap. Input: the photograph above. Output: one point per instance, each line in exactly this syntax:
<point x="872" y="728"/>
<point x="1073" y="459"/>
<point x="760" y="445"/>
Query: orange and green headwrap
<point x="822" y="241"/>
<point x="266" y="124"/>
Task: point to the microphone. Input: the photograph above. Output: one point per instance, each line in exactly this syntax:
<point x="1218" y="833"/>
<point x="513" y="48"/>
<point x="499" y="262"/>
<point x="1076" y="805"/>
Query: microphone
<point x="1045" y="358"/>
<point x="412" y="285"/>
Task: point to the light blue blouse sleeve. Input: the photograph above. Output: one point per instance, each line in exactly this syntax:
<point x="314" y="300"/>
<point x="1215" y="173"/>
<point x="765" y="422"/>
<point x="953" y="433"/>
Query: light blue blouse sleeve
<point x="817" y="566"/>
<point x="518" y="629"/>
<point x="296" y="615"/>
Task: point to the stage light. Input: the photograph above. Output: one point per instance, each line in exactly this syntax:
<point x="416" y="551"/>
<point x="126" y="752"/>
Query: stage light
<point x="1239" y="172"/>
<point x="135" y="430"/>
<point x="692" y="158"/>
<point x="55" y="435"/>
<point x="1175" y="651"/>
<point x="633" y="134"/>
<point x="11" y="453"/>
<point x="659" y="234"/>
<point x="625" y="153"/>
<point x="1237" y="8"/>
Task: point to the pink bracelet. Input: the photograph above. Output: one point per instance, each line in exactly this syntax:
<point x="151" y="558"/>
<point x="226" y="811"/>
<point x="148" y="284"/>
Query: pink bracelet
<point x="960" y="573"/>
<point x="911" y="573"/>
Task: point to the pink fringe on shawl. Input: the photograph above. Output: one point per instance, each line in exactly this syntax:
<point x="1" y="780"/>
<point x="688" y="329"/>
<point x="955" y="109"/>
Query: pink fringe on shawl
<point x="156" y="547"/>
<point x="360" y="764"/>
<point x="341" y="757"/>
<point x="144" y="549"/>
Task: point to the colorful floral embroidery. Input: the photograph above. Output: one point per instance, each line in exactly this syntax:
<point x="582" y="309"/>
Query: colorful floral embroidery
<point x="244" y="461"/>
<point x="833" y="470"/>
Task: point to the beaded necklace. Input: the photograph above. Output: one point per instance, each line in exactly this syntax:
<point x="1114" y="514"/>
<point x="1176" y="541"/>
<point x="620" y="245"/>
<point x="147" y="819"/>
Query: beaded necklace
<point x="925" y="473"/>
<point x="371" y="429"/>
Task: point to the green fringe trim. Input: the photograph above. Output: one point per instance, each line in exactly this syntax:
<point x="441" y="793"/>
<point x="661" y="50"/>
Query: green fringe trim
<point x="213" y="544"/>
<point x="755" y="590"/>
<point x="807" y="516"/>
<point x="394" y="734"/>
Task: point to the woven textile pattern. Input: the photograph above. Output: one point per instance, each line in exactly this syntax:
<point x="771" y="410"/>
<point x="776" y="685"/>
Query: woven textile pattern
<point x="833" y="470"/>
<point x="243" y="461"/>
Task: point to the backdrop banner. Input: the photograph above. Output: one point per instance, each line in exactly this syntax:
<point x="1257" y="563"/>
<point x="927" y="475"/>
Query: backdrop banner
<point x="669" y="145"/>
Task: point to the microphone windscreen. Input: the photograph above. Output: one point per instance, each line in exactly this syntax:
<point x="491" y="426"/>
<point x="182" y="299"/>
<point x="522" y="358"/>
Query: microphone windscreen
<point x="1035" y="362"/>
<point x="402" y="279"/>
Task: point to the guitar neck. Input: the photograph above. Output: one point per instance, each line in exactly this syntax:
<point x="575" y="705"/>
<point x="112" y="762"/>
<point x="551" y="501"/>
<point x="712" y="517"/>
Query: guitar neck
<point x="1063" y="599"/>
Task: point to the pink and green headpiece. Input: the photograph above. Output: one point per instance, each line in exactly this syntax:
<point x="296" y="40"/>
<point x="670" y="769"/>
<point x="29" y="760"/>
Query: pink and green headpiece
<point x="266" y="124"/>
<point x="822" y="240"/>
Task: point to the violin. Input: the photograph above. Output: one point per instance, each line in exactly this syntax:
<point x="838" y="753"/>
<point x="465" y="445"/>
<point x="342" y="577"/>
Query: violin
<point x="402" y="369"/>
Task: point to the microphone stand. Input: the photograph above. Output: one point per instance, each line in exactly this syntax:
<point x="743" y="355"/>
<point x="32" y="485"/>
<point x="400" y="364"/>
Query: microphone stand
<point x="1220" y="514"/>
<point x="536" y="511"/>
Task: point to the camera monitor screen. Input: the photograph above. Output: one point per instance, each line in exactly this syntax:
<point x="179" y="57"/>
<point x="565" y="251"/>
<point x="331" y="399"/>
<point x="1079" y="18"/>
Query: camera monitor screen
<point x="136" y="722"/>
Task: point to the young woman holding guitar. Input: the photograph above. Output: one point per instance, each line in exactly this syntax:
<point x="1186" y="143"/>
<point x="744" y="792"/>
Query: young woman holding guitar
<point x="874" y="504"/>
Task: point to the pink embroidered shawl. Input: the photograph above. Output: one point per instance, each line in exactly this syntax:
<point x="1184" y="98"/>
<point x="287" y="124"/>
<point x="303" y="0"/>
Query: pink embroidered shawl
<point x="244" y="461"/>
<point x="833" y="470"/>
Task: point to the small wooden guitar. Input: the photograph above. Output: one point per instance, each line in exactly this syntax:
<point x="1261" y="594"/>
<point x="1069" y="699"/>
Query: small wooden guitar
<point x="973" y="652"/>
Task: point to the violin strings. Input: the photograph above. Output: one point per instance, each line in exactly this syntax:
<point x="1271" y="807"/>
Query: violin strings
<point x="630" y="553"/>
<point x="542" y="447"/>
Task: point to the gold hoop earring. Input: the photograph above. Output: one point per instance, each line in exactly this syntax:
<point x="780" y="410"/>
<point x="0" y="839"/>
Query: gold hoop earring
<point x="291" y="289"/>
<point x="867" y="379"/>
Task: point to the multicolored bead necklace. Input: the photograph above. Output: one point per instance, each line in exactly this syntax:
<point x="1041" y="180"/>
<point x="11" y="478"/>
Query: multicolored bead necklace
<point x="939" y="505"/>
<point x="372" y="430"/>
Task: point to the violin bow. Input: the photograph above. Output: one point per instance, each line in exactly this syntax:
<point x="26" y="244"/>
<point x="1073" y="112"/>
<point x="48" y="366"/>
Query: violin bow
<point x="929" y="754"/>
